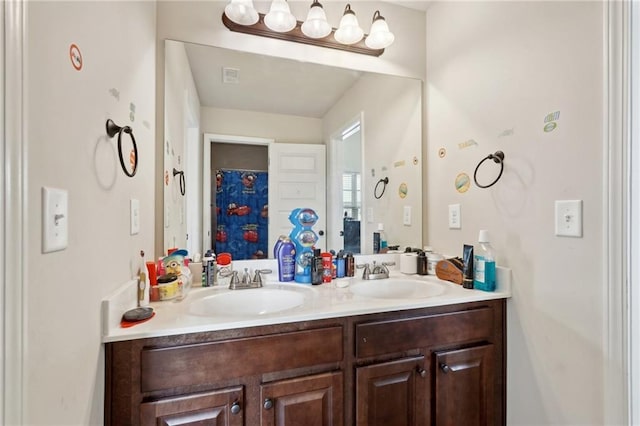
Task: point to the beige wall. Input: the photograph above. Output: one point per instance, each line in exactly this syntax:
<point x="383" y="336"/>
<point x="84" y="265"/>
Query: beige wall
<point x="503" y="66"/>
<point x="68" y="149"/>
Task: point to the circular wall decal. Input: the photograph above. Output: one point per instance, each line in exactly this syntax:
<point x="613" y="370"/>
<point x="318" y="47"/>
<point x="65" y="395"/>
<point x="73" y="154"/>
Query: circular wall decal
<point x="402" y="190"/>
<point x="462" y="182"/>
<point x="75" y="56"/>
<point x="550" y="127"/>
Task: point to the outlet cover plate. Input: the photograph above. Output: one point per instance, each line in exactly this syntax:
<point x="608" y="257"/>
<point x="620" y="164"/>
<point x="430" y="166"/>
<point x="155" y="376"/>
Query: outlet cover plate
<point x="568" y="218"/>
<point x="455" y="221"/>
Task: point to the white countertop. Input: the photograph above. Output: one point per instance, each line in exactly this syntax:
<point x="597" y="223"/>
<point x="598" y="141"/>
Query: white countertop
<point x="321" y="302"/>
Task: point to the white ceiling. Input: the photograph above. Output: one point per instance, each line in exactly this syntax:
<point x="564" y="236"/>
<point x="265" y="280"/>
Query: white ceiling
<point x="267" y="84"/>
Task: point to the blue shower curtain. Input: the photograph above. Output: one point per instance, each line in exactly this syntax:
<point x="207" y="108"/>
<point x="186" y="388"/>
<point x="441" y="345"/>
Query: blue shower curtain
<point x="242" y="213"/>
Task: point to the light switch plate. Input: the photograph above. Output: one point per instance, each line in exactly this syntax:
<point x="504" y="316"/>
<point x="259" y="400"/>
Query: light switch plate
<point x="569" y="218"/>
<point x="55" y="219"/>
<point x="369" y="214"/>
<point x="406" y="216"/>
<point x="134" y="216"/>
<point x="455" y="221"/>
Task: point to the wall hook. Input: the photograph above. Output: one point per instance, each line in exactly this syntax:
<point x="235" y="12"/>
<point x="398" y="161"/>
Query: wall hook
<point x="112" y="130"/>
<point x="497" y="157"/>
<point x="182" y="181"/>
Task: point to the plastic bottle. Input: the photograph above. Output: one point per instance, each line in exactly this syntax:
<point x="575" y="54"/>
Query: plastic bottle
<point x="316" y="268"/>
<point x="350" y="265"/>
<point x="340" y="265"/>
<point x="209" y="269"/>
<point x="384" y="244"/>
<point x="484" y="274"/>
<point x="286" y="256"/>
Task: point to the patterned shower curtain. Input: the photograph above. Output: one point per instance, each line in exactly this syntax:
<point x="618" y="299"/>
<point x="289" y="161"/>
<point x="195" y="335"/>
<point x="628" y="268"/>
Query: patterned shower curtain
<point x="242" y="213"/>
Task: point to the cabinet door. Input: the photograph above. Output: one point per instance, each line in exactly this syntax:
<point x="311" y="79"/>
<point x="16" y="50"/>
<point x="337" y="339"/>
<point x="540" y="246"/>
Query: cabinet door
<point x="464" y="387"/>
<point x="308" y="401"/>
<point x="217" y="408"/>
<point x="393" y="393"/>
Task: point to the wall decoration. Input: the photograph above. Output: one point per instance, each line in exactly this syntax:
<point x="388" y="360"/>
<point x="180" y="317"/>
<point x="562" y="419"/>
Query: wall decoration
<point x="402" y="190"/>
<point x="166" y="177"/>
<point x="442" y="152"/>
<point x="242" y="213"/>
<point x="506" y="132"/>
<point x="76" y="57"/>
<point x="399" y="163"/>
<point x="115" y="93"/>
<point x="550" y="121"/>
<point x="467" y="144"/>
<point x="462" y="182"/>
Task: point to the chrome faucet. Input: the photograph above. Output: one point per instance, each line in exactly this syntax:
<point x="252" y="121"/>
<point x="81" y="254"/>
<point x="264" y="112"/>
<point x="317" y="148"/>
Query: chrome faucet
<point x="375" y="272"/>
<point x="247" y="282"/>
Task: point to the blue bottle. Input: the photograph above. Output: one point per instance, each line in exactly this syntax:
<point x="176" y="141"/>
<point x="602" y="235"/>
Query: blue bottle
<point x="286" y="256"/>
<point x="484" y="265"/>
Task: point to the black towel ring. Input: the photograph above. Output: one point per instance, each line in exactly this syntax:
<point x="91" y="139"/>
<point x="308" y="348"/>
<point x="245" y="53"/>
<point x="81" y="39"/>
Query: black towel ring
<point x="182" y="182"/>
<point x="385" y="182"/>
<point x="112" y="130"/>
<point x="497" y="157"/>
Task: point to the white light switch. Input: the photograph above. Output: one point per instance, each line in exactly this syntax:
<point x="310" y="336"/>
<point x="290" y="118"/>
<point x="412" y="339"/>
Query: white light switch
<point x="55" y="219"/>
<point x="569" y="218"/>
<point x="455" y="221"/>
<point x="134" y="217"/>
<point x="369" y="214"/>
<point x="406" y="216"/>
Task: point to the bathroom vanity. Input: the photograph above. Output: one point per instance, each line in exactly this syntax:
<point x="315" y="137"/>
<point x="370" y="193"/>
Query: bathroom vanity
<point x="346" y="360"/>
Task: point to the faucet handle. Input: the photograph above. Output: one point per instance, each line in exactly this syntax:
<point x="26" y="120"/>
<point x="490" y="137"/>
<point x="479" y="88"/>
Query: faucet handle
<point x="246" y="277"/>
<point x="257" y="278"/>
<point x="234" y="279"/>
<point x="367" y="270"/>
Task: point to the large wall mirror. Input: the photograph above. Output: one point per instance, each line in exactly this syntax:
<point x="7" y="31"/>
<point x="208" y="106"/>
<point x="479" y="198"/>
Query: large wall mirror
<point x="294" y="134"/>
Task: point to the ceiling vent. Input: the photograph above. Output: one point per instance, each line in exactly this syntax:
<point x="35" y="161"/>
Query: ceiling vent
<point x="230" y="75"/>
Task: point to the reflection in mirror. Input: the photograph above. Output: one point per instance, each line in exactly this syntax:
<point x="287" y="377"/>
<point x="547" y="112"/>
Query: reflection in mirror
<point x="369" y="123"/>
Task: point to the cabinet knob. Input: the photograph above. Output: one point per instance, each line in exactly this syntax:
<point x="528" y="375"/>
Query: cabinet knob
<point x="421" y="371"/>
<point x="268" y="404"/>
<point x="445" y="368"/>
<point x="235" y="407"/>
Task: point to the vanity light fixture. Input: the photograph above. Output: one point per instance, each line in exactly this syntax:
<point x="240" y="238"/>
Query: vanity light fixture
<point x="279" y="23"/>
<point x="242" y="12"/>
<point x="316" y="25"/>
<point x="280" y="18"/>
<point x="349" y="31"/>
<point x="379" y="36"/>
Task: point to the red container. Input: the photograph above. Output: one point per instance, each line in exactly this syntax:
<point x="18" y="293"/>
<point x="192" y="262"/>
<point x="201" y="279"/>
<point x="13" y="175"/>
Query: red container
<point x="326" y="267"/>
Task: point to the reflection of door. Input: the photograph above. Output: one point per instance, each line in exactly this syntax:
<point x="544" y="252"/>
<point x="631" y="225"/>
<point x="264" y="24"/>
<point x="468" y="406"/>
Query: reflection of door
<point x="297" y="178"/>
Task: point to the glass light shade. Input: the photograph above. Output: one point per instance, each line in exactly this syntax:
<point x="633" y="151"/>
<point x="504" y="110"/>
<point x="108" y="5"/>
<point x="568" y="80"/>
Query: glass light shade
<point x="280" y="19"/>
<point x="380" y="36"/>
<point x="349" y="31"/>
<point x="241" y="12"/>
<point x="316" y="25"/>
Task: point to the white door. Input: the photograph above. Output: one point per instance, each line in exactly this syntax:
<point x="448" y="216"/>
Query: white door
<point x="297" y="179"/>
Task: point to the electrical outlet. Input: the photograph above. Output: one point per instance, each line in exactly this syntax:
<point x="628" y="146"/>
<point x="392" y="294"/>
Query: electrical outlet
<point x="455" y="221"/>
<point x="569" y="218"/>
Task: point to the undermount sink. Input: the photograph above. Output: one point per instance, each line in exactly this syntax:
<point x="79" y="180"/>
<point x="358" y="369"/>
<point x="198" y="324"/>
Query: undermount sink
<point x="250" y="302"/>
<point x="398" y="288"/>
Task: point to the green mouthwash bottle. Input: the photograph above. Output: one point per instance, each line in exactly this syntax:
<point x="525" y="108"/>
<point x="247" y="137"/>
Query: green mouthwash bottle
<point x="484" y="265"/>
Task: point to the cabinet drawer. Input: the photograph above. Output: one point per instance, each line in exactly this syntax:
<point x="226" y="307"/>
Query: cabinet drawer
<point x="208" y="363"/>
<point x="390" y="336"/>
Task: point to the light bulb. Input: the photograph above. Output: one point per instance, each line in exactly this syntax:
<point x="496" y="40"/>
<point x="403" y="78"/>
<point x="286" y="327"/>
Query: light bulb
<point x="280" y="19"/>
<point x="349" y="31"/>
<point x="316" y="25"/>
<point x="380" y="36"/>
<point x="241" y="12"/>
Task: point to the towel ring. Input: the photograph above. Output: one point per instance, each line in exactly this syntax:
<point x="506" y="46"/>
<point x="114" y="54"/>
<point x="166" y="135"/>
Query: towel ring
<point x="384" y="181"/>
<point x="497" y="157"/>
<point x="112" y="130"/>
<point x="182" y="182"/>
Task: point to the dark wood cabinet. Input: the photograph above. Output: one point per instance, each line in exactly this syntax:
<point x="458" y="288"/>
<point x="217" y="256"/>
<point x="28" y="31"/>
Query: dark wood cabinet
<point x="464" y="383"/>
<point x="218" y="408"/>
<point x="435" y="366"/>
<point x="310" y="401"/>
<point x="393" y="393"/>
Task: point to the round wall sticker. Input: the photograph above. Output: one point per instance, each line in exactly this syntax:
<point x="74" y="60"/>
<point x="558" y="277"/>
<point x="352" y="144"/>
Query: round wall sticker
<point x="75" y="56"/>
<point x="402" y="190"/>
<point x="462" y="182"/>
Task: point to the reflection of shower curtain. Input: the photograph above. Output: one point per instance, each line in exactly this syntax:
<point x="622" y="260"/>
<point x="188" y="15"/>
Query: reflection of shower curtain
<point x="242" y="213"/>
